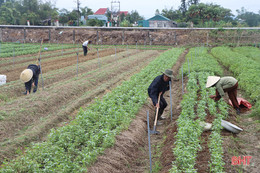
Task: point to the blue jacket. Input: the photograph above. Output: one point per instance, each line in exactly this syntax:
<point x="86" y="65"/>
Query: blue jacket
<point x="158" y="85"/>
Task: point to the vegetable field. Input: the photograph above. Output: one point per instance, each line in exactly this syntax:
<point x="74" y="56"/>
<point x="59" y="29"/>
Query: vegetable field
<point x="89" y="113"/>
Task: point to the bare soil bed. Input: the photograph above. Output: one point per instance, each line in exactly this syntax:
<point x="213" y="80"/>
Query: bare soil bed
<point x="49" y="63"/>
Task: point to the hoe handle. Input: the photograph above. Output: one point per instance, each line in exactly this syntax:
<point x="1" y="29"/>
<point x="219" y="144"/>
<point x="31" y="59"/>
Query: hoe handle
<point x="157" y="110"/>
<point x="39" y="52"/>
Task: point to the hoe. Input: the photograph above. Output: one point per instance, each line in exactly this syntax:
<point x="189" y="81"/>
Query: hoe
<point x="156" y="116"/>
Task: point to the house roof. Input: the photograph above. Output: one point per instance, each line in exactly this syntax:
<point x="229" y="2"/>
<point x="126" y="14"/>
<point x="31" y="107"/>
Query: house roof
<point x="101" y="11"/>
<point x="159" y="17"/>
<point x="125" y="12"/>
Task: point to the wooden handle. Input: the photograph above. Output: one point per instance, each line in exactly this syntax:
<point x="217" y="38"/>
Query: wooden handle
<point x="37" y="61"/>
<point x="157" y="110"/>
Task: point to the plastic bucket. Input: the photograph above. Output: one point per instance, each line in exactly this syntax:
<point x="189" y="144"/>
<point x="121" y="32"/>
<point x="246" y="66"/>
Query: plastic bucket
<point x="2" y="79"/>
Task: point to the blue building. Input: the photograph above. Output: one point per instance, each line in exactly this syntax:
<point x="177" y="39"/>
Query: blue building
<point x="103" y="18"/>
<point x="158" y="21"/>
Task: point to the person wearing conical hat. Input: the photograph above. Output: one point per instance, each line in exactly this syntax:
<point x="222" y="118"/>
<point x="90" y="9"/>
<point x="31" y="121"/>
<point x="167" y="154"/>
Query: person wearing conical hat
<point x="224" y="84"/>
<point x="30" y="78"/>
<point x="159" y="86"/>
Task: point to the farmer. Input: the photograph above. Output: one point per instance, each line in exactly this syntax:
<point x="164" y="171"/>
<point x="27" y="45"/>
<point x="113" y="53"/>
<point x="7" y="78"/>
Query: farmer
<point x="85" y="47"/>
<point x="224" y="84"/>
<point x="159" y="85"/>
<point x="30" y="78"/>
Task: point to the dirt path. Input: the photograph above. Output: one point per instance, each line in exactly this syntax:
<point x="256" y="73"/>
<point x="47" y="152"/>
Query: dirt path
<point x="130" y="152"/>
<point x="246" y="143"/>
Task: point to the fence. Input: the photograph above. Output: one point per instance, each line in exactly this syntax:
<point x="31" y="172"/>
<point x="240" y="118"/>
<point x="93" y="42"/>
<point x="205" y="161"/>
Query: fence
<point x="131" y="35"/>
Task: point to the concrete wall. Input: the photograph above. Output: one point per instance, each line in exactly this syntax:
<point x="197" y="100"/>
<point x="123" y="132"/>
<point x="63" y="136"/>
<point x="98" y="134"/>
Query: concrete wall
<point x="161" y="24"/>
<point x="131" y="35"/>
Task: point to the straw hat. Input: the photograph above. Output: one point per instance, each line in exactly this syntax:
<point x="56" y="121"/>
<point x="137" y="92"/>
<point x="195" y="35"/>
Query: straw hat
<point x="168" y="73"/>
<point x="212" y="80"/>
<point x="26" y="75"/>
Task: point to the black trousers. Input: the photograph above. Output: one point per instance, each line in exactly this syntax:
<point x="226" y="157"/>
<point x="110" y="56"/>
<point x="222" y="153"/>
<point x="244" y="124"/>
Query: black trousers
<point x="85" y="50"/>
<point x="163" y="105"/>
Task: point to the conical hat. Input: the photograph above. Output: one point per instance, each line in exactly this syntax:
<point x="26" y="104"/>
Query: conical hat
<point x="212" y="80"/>
<point x="26" y="75"/>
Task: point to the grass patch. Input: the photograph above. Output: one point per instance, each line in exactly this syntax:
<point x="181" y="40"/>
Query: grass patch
<point x="3" y="97"/>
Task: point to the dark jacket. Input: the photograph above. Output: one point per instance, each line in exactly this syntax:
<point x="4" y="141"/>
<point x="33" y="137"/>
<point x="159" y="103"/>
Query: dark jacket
<point x="158" y="85"/>
<point x="36" y="71"/>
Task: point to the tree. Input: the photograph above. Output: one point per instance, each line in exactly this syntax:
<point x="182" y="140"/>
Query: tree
<point x="207" y="12"/>
<point x="8" y="14"/>
<point x="183" y="7"/>
<point x="30" y="5"/>
<point x="121" y="17"/>
<point x="73" y="17"/>
<point x="1" y="2"/>
<point x="64" y="16"/>
<point x="193" y="2"/>
<point x="48" y="12"/>
<point x="86" y="11"/>
<point x="94" y="22"/>
<point x="174" y="15"/>
<point x="250" y="18"/>
<point x="125" y="23"/>
<point x="108" y="15"/>
<point x="133" y="17"/>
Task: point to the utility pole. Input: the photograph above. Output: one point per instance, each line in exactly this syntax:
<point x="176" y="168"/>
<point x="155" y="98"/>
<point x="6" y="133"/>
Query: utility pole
<point x="78" y="3"/>
<point x="115" y="11"/>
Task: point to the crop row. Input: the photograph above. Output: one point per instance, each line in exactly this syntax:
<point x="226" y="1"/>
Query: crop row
<point x="195" y="103"/>
<point x="250" y="52"/>
<point x="73" y="147"/>
<point x="200" y="61"/>
<point x="216" y="163"/>
<point x="187" y="139"/>
<point x="9" y="50"/>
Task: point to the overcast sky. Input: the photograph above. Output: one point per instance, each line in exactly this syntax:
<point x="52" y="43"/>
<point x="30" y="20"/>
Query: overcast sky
<point x="146" y="8"/>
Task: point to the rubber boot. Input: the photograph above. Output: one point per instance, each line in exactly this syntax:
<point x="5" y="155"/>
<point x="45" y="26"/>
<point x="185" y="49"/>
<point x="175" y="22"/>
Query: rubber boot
<point x="238" y="111"/>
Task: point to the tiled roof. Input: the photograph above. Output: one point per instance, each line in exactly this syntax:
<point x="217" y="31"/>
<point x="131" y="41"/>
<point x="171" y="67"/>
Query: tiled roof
<point x="101" y="11"/>
<point x="125" y="12"/>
